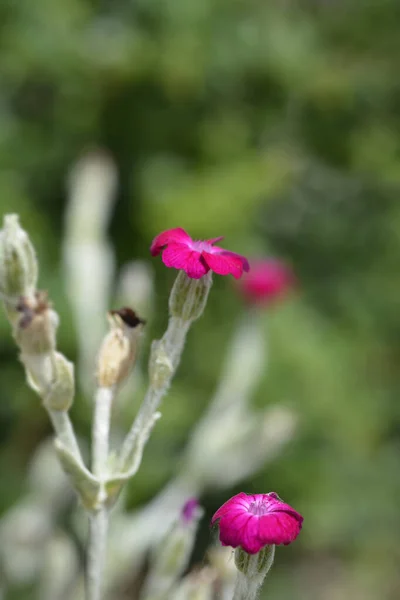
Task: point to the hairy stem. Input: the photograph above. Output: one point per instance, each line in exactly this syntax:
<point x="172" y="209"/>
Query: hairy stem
<point x="173" y="342"/>
<point x="101" y="430"/>
<point x="98" y="528"/>
<point x="98" y="519"/>
<point x="65" y="431"/>
<point x="244" y="591"/>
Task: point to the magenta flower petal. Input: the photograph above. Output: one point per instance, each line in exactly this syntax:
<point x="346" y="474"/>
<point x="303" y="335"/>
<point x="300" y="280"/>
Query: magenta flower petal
<point x="232" y="529"/>
<point x="171" y="235"/>
<point x="240" y="501"/>
<point x="215" y="240"/>
<point x="179" y="256"/>
<point x="251" y="542"/>
<point x="196" y="267"/>
<point x="255" y="521"/>
<point x="226" y="263"/>
<point x="243" y="259"/>
<point x="279" y="528"/>
<point x="196" y="258"/>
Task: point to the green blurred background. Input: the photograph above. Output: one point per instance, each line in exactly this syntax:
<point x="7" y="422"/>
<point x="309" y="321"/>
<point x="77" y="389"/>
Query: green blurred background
<point x="276" y="124"/>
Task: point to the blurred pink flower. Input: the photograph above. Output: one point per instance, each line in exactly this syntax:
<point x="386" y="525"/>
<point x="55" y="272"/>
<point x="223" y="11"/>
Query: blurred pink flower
<point x="190" y="510"/>
<point x="268" y="280"/>
<point x="197" y="257"/>
<point x="253" y="521"/>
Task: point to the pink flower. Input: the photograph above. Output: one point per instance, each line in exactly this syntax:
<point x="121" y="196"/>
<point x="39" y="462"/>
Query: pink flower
<point x="189" y="510"/>
<point x="197" y="257"/>
<point x="253" y="521"/>
<point x="268" y="280"/>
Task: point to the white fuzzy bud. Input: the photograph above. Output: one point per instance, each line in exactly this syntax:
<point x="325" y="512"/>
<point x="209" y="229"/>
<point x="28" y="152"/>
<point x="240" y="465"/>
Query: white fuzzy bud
<point x="18" y="264"/>
<point x="60" y="394"/>
<point x="172" y="555"/>
<point x="198" y="585"/>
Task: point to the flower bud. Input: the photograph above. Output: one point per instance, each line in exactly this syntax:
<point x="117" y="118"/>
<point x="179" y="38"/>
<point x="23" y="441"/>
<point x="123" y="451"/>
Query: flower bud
<point x="62" y="389"/>
<point x="198" y="585"/>
<point x="189" y="296"/>
<point x="18" y="264"/>
<point x="118" y="351"/>
<point x="172" y="555"/>
<point x="220" y="559"/>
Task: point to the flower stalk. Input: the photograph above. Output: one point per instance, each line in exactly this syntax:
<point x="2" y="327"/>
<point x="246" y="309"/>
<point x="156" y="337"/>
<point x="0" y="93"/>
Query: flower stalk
<point x="187" y="302"/>
<point x="99" y="516"/>
<point x="97" y="550"/>
<point x="34" y="325"/>
<point x="115" y="361"/>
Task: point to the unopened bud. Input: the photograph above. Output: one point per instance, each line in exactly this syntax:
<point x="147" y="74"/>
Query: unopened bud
<point x="220" y="559"/>
<point x="189" y="296"/>
<point x="198" y="585"/>
<point x="118" y="351"/>
<point x="172" y="555"/>
<point x="62" y="389"/>
<point x="18" y="264"/>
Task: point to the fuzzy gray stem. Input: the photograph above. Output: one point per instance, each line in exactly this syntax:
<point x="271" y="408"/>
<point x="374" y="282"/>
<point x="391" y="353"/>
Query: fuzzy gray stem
<point x="98" y="528"/>
<point x="173" y="342"/>
<point x="101" y="430"/>
<point x="65" y="431"/>
<point x="98" y="519"/>
<point x="244" y="591"/>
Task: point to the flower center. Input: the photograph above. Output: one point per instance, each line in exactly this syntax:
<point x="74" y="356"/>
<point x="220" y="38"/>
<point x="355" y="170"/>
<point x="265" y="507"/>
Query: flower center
<point x="258" y="508"/>
<point x="200" y="245"/>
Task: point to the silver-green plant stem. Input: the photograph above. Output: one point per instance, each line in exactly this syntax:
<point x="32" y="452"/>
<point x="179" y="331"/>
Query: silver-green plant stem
<point x="187" y="301"/>
<point x="242" y="589"/>
<point x="65" y="432"/>
<point x="96" y="554"/>
<point x="101" y="430"/>
<point x="171" y="346"/>
<point x="99" y="516"/>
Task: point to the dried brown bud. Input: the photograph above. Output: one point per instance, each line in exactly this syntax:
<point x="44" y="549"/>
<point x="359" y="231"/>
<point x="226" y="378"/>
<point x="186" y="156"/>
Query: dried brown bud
<point x="35" y="331"/>
<point x="118" y="351"/>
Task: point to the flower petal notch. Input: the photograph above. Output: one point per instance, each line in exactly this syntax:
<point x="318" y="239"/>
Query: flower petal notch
<point x="268" y="280"/>
<point x="253" y="521"/>
<point x="197" y="257"/>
